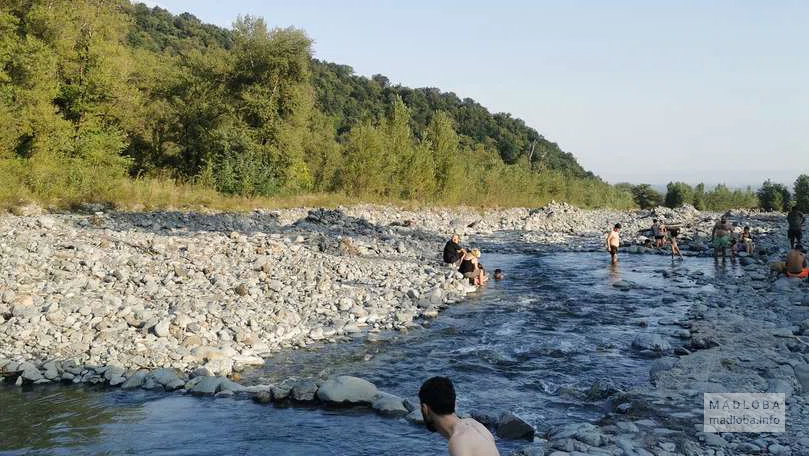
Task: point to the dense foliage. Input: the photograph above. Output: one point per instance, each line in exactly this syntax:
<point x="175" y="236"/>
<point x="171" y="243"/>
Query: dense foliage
<point x="773" y="197"/>
<point x="801" y="191"/>
<point x="101" y="97"/>
<point x="719" y="198"/>
<point x="96" y="92"/>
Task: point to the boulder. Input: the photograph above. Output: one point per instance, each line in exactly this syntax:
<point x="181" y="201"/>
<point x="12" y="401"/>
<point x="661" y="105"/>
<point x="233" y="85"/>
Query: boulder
<point x="512" y="427"/>
<point x="136" y="380"/>
<point x="650" y="342"/>
<point x="347" y="390"/>
<point x="204" y="386"/>
<point x="30" y="373"/>
<point x="415" y="417"/>
<point x="389" y="405"/>
<point x="304" y="391"/>
<point x="167" y="378"/>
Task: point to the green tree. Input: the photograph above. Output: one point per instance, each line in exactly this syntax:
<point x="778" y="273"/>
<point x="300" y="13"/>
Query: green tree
<point x="678" y="193"/>
<point x="444" y="143"/>
<point x="801" y="191"/>
<point x="773" y="197"/>
<point x="645" y="196"/>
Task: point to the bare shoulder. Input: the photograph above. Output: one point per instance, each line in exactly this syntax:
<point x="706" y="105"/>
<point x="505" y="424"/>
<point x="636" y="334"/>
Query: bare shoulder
<point x="472" y="439"/>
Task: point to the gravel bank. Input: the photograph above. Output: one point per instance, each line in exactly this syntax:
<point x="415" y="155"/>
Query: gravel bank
<point x="179" y="300"/>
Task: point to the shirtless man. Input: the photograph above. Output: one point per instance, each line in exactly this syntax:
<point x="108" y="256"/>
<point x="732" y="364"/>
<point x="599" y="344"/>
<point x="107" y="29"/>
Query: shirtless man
<point x="796" y="264"/>
<point x="721" y="236"/>
<point x="466" y="436"/>
<point x="613" y="242"/>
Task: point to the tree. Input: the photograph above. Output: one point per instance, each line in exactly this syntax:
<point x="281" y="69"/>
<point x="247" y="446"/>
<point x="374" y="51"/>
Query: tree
<point x="801" y="190"/>
<point x="677" y="194"/>
<point x="645" y="196"/>
<point x="773" y="197"/>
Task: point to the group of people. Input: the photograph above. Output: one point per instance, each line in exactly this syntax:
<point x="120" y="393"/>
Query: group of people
<point x="723" y="239"/>
<point x="467" y="261"/>
<point x="795" y="265"/>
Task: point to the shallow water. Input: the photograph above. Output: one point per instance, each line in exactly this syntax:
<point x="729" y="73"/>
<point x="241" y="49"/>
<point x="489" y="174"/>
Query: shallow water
<point x="530" y="344"/>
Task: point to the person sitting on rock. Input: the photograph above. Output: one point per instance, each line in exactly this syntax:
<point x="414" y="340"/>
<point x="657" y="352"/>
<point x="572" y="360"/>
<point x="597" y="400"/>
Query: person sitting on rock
<point x="745" y="243"/>
<point x="453" y="252"/>
<point x="795" y="266"/>
<point x="466" y="436"/>
<point x="721" y="236"/>
<point x="471" y="269"/>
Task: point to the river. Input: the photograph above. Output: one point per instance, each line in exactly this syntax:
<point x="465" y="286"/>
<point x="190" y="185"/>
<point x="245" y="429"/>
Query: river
<point x="532" y="344"/>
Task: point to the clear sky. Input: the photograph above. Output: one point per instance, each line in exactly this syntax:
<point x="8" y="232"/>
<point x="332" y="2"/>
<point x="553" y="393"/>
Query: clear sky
<point x="638" y="91"/>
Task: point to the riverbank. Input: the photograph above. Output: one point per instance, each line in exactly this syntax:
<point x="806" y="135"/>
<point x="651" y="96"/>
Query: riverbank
<point x="99" y="296"/>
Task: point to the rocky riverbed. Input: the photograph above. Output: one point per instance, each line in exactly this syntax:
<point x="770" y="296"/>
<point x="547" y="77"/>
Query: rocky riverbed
<point x="180" y="300"/>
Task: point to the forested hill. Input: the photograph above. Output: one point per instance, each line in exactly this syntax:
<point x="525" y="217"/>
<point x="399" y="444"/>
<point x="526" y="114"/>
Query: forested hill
<point x="103" y="97"/>
<point x="351" y="98"/>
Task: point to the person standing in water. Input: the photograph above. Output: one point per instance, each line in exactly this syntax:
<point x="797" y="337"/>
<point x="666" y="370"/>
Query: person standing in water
<point x="466" y="436"/>
<point x="721" y="236"/>
<point x="613" y="242"/>
<point x="675" y="250"/>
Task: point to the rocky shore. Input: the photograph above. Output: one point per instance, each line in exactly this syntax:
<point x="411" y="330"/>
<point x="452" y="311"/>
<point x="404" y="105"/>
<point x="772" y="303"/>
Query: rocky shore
<point x="180" y="301"/>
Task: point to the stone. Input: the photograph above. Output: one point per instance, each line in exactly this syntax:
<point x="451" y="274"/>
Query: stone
<point x="167" y="378"/>
<point x="389" y="405"/>
<point x="30" y="373"/>
<point x="348" y="390"/>
<point x="304" y="391"/>
<point x="204" y="386"/>
<point x="241" y="290"/>
<point x="162" y="329"/>
<point x="414" y="417"/>
<point x="262" y="397"/>
<point x="779" y="450"/>
<point x="661" y="366"/>
<point x="282" y="391"/>
<point x="650" y="342"/>
<point x="534" y="449"/>
<point x="512" y="427"/>
<point x="219" y="366"/>
<point x="136" y="380"/>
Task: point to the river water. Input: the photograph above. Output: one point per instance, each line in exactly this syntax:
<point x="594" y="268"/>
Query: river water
<point x="531" y="344"/>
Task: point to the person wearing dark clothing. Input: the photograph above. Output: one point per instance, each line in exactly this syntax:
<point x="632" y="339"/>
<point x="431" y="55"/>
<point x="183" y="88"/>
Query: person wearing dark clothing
<point x="795" y="232"/>
<point x="453" y="252"/>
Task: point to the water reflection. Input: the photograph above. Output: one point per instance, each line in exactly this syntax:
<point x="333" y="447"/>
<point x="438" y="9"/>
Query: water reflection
<point x="50" y="417"/>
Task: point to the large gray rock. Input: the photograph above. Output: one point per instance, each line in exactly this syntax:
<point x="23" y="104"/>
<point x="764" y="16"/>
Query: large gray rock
<point x="389" y="405"/>
<point x="136" y="380"/>
<point x="30" y="373"/>
<point x="282" y="391"/>
<point x="512" y="427"/>
<point x="348" y="390"/>
<point x="204" y="386"/>
<point x="415" y="417"/>
<point x="304" y="391"/>
<point x="167" y="378"/>
<point x="650" y="342"/>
